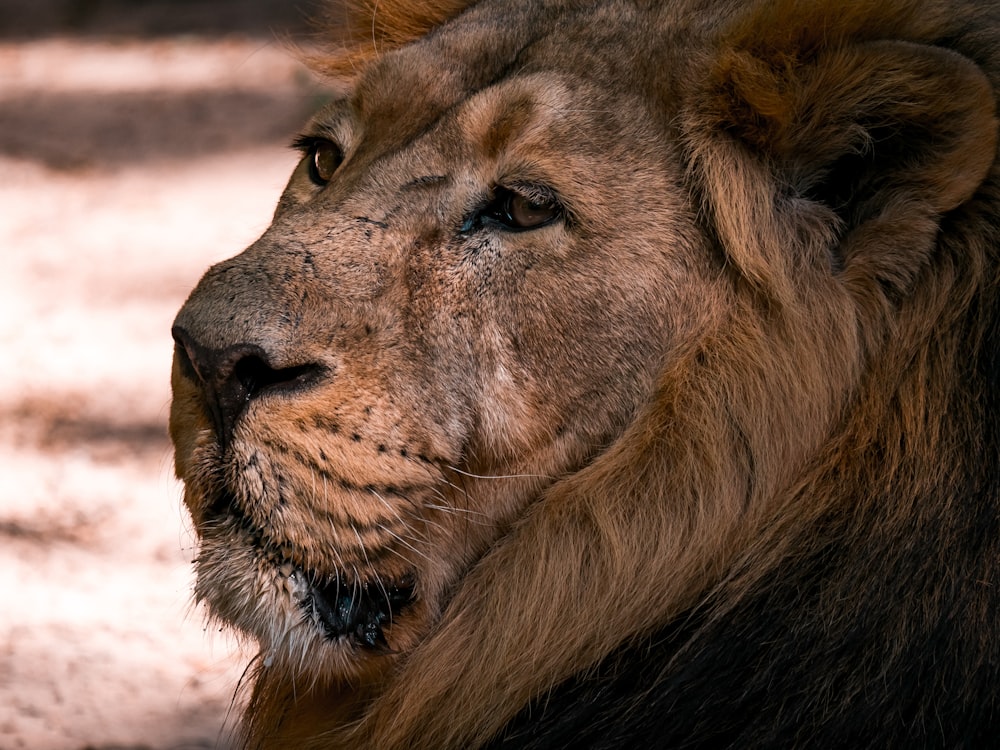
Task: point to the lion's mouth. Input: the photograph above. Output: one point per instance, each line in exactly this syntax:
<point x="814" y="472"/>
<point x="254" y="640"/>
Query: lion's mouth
<point x="358" y="610"/>
<point x="342" y="607"/>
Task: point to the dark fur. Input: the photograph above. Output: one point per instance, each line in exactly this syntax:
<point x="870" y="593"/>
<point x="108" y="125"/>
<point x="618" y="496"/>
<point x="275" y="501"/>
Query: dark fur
<point x="874" y="633"/>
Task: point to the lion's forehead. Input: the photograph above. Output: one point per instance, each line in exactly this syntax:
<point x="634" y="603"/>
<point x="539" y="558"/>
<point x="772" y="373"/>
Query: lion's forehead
<point x="496" y="77"/>
<point x="546" y="128"/>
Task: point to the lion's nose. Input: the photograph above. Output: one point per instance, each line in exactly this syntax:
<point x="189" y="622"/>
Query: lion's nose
<point x="232" y="377"/>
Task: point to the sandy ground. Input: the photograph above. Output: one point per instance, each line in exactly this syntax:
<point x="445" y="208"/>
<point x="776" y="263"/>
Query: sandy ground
<point x="126" y="168"/>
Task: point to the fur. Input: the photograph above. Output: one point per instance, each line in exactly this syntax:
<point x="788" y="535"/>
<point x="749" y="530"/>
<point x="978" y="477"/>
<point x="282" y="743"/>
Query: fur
<point x="710" y="459"/>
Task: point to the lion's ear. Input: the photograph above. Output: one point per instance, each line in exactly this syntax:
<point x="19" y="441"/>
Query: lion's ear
<point x="829" y="146"/>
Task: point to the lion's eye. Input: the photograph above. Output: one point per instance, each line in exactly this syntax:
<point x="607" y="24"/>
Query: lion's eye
<point x="526" y="213"/>
<point x="323" y="158"/>
<point x="520" y="210"/>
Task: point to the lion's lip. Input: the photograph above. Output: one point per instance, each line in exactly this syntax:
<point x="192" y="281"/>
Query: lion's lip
<point x="358" y="610"/>
<point x="342" y="606"/>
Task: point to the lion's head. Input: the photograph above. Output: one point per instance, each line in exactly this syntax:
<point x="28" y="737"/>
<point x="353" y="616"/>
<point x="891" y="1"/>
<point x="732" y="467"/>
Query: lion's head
<point x="569" y="315"/>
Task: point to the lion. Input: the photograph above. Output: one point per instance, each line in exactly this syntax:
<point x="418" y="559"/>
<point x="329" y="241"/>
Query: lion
<point x="616" y="374"/>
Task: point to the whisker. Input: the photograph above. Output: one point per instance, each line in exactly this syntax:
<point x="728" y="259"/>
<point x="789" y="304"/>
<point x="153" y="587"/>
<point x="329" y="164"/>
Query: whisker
<point x="364" y="553"/>
<point x="499" y="476"/>
<point x="398" y="554"/>
<point x="468" y="516"/>
<point x="395" y="512"/>
<point x="388" y="506"/>
<point x="405" y="543"/>
<point x="462" y="489"/>
<point x="455" y="509"/>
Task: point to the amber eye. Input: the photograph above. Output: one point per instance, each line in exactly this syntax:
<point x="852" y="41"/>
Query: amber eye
<point x="518" y="210"/>
<point x="525" y="213"/>
<point x="324" y="157"/>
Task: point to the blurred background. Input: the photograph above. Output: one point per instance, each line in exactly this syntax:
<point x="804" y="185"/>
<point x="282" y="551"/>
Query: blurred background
<point x="140" y="141"/>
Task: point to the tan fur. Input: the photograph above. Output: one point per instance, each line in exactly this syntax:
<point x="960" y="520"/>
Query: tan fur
<point x="623" y="414"/>
<point x="366" y="28"/>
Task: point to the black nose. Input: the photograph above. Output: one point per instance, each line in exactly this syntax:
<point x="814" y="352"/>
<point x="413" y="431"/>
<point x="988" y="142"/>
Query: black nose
<point x="232" y="377"/>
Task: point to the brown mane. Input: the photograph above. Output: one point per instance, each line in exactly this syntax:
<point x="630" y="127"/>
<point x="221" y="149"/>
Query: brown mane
<point x="357" y="31"/>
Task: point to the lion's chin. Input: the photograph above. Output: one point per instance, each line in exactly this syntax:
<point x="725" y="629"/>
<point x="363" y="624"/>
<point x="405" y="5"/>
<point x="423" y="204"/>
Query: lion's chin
<point x="301" y="616"/>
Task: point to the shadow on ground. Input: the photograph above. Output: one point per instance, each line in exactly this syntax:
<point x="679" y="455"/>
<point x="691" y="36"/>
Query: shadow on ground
<point x="28" y="19"/>
<point x="67" y="131"/>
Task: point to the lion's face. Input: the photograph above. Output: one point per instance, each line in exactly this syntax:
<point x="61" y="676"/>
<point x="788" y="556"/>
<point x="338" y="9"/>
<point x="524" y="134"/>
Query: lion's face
<point x="468" y="288"/>
<point x="604" y="340"/>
